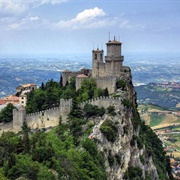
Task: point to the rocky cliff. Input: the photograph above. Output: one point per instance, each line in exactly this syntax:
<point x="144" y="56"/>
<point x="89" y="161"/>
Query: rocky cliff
<point x="131" y="150"/>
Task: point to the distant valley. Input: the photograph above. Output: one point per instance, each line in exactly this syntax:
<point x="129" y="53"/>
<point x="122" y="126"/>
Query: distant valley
<point x="146" y="68"/>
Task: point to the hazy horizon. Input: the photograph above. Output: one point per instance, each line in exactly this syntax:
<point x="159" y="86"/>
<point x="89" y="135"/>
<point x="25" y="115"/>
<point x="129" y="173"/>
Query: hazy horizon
<point x="68" y="26"/>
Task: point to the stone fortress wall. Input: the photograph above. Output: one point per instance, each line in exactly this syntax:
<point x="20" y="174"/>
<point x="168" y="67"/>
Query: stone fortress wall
<point x="50" y="117"/>
<point x="42" y="119"/>
<point x="103" y="102"/>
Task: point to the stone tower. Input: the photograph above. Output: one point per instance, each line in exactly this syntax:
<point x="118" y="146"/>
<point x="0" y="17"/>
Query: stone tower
<point x="97" y="62"/>
<point x="18" y="118"/>
<point x="114" y="59"/>
<point x="66" y="76"/>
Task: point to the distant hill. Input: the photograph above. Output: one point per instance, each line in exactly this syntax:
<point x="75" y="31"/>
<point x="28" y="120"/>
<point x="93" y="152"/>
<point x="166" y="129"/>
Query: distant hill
<point x="166" y="95"/>
<point x="157" y="117"/>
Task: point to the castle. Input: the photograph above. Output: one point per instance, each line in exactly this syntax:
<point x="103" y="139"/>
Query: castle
<point x="105" y="73"/>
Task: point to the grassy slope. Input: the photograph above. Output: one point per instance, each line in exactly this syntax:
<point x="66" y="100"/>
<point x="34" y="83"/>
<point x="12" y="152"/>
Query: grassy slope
<point x="159" y="118"/>
<point x="156" y="117"/>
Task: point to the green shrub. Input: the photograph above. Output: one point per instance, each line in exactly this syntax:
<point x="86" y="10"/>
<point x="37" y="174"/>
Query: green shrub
<point x="110" y="159"/>
<point x="90" y="146"/>
<point x="126" y="103"/>
<point x="93" y="110"/>
<point x="109" y="129"/>
<point x="142" y="159"/>
<point x="120" y="84"/>
<point x="133" y="173"/>
<point x="111" y="110"/>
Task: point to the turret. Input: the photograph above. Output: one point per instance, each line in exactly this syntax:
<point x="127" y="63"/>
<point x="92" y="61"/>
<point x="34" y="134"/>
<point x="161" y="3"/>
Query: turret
<point x="97" y="59"/>
<point x="114" y="60"/>
<point x="18" y="118"/>
<point x="114" y="51"/>
<point x="65" y="76"/>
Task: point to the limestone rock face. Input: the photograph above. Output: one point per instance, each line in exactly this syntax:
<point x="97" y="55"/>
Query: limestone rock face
<point x="124" y="151"/>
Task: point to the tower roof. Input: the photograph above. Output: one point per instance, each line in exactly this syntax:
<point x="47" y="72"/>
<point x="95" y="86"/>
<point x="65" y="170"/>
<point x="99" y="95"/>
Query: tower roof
<point x="114" y="42"/>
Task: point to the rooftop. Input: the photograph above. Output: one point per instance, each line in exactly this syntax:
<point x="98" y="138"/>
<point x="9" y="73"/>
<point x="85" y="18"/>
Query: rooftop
<point x="11" y="98"/>
<point x="114" y="41"/>
<point x="26" y="85"/>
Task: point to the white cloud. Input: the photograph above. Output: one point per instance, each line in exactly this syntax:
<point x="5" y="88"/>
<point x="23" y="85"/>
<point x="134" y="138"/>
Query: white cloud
<point x="14" y="14"/>
<point x="53" y="2"/>
<point x="29" y="22"/>
<point x="11" y="8"/>
<point x="96" y="18"/>
<point x="35" y="18"/>
<point x="84" y="19"/>
<point x="18" y="7"/>
<point x="89" y="14"/>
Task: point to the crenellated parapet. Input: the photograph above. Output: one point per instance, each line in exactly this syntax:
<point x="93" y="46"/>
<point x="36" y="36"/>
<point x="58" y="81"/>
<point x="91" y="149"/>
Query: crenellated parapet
<point x="41" y="119"/>
<point x="103" y="101"/>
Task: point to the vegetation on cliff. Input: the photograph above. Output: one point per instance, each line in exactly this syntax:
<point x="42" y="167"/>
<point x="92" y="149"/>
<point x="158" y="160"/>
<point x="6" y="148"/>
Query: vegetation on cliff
<point x="48" y="95"/>
<point x="52" y="155"/>
<point x="67" y="151"/>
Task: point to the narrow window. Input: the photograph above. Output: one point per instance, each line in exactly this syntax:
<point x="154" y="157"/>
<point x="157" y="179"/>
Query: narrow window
<point x="95" y="56"/>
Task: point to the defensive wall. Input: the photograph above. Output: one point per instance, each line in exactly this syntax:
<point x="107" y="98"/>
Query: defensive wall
<point x="103" y="102"/>
<point x="108" y="82"/>
<point x="6" y="127"/>
<point x="50" y="117"/>
<point x="42" y="119"/>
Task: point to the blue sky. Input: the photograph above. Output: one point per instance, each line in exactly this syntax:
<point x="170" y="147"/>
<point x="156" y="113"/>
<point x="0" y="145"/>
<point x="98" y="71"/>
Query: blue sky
<point x="76" y="26"/>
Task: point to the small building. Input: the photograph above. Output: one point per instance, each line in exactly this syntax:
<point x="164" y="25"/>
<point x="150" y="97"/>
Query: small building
<point x="25" y="88"/>
<point x="11" y="99"/>
<point x="22" y="90"/>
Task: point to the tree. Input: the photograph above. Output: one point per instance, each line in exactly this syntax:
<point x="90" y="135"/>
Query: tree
<point x="26" y="140"/>
<point x="106" y="92"/>
<point x="88" y="90"/>
<point x="6" y="115"/>
<point x="76" y="111"/>
<point x="61" y="81"/>
<point x="42" y="86"/>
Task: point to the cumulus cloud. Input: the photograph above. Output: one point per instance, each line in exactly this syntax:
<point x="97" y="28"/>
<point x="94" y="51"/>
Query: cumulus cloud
<point x="88" y="14"/>
<point x="11" y="8"/>
<point x="84" y="19"/>
<point x="95" y="18"/>
<point x="14" y="14"/>
<point x="18" y="7"/>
